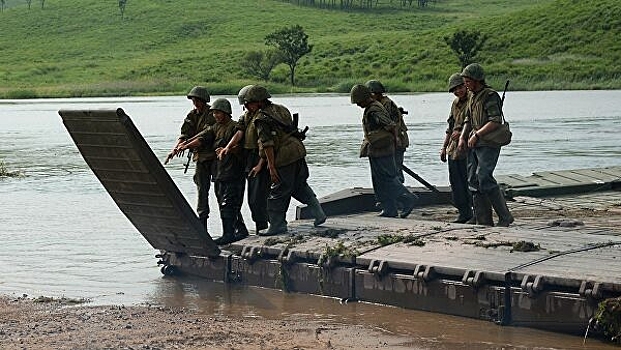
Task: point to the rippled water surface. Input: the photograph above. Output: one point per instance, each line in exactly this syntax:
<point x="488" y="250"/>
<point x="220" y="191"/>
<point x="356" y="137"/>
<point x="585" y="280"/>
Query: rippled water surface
<point x="62" y="235"/>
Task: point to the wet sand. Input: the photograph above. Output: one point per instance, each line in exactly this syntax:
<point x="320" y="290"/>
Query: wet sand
<point x="55" y="324"/>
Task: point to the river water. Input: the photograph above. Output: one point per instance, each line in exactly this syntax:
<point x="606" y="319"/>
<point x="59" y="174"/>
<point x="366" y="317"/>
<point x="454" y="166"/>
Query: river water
<point x="62" y="235"/>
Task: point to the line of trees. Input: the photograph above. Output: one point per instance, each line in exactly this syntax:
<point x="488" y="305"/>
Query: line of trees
<point x="361" y="4"/>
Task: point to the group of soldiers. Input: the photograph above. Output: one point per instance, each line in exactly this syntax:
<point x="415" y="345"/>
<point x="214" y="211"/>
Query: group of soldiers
<point x="472" y="156"/>
<point x="264" y="148"/>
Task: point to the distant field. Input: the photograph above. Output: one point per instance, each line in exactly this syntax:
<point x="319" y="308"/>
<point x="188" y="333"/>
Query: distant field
<point x="84" y="48"/>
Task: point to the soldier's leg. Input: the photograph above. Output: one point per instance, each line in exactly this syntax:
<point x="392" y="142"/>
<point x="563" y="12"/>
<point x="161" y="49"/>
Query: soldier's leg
<point x="258" y="190"/>
<point x="482" y="206"/>
<point x="202" y="179"/>
<point x="462" y="198"/>
<point x="303" y="193"/>
<point x="279" y="199"/>
<point x="384" y="177"/>
<point x="487" y="164"/>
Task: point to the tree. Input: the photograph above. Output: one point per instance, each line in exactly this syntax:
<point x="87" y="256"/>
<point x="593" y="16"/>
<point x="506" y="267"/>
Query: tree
<point x="292" y="44"/>
<point x="122" y="4"/>
<point x="261" y="63"/>
<point x="466" y="45"/>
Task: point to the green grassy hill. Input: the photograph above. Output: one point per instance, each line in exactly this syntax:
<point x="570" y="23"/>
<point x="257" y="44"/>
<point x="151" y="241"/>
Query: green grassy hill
<point x="85" y="48"/>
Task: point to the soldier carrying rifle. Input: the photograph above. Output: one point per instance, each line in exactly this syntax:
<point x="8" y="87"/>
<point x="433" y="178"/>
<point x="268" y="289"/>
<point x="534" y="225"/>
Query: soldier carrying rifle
<point x="196" y="121"/>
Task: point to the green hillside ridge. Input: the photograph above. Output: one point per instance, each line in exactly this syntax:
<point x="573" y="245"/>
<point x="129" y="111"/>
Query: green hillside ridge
<point x="84" y="48"/>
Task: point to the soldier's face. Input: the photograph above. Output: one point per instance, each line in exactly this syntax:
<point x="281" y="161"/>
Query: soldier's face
<point x="199" y="104"/>
<point x="460" y="91"/>
<point x="220" y="116"/>
<point x="471" y="84"/>
<point x="253" y="106"/>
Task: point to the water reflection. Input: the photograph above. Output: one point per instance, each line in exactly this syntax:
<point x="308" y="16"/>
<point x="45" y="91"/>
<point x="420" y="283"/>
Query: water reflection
<point x="427" y="330"/>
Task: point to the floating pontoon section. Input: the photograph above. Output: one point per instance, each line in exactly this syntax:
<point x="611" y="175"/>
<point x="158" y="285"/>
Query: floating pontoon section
<point x="131" y="173"/>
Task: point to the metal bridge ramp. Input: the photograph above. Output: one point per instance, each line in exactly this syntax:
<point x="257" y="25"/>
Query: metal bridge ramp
<point x="136" y="180"/>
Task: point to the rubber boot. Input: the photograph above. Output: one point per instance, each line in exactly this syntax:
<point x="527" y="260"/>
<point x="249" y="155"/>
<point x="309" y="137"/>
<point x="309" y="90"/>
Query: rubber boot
<point x="500" y="207"/>
<point x="482" y="209"/>
<point x="409" y="200"/>
<point x="228" y="232"/>
<point x="316" y="211"/>
<point x="241" y="231"/>
<point x="278" y="223"/>
<point x="260" y="226"/>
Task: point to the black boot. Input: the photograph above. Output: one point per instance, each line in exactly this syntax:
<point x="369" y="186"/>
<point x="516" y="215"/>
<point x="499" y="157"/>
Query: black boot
<point x="500" y="207"/>
<point x="482" y="209"/>
<point x="241" y="231"/>
<point x="316" y="211"/>
<point x="409" y="200"/>
<point x="228" y="232"/>
<point x="278" y="223"/>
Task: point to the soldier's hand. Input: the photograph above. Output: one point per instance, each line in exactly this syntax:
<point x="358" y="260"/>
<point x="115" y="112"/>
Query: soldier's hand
<point x="274" y="175"/>
<point x="443" y="155"/>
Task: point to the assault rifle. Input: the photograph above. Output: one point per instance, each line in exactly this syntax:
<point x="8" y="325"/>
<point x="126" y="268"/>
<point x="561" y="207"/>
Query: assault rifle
<point x="504" y="91"/>
<point x="172" y="154"/>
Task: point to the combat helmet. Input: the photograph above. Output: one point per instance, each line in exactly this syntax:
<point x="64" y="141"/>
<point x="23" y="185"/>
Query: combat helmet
<point x="359" y="93"/>
<point x="200" y="93"/>
<point x="222" y="104"/>
<point x="256" y="93"/>
<point x="242" y="93"/>
<point x="473" y="71"/>
<point x="454" y="81"/>
<point x="375" y="86"/>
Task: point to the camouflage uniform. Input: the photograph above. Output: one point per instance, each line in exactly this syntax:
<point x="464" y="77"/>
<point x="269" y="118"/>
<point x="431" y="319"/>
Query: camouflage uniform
<point x="458" y="162"/>
<point x="485" y="106"/>
<point x="229" y="180"/>
<point x="403" y="140"/>
<point x="204" y="157"/>
<point x="258" y="186"/>
<point x="275" y="129"/>
<point x="379" y="146"/>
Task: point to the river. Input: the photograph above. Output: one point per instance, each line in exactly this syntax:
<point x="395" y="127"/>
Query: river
<point x="62" y="235"/>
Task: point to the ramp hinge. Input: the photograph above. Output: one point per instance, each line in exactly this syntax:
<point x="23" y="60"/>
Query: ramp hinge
<point x="424" y="273"/>
<point x="590" y="290"/>
<point x="286" y="256"/>
<point x="473" y="278"/>
<point x="532" y="285"/>
<point x="251" y="253"/>
<point x="378" y="267"/>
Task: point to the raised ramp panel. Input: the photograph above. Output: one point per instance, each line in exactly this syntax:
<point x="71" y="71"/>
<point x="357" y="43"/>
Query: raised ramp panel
<point x="128" y="169"/>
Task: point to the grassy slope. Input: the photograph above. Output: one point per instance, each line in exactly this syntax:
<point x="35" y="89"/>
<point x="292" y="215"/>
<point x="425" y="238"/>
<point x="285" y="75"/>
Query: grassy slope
<point x="82" y="47"/>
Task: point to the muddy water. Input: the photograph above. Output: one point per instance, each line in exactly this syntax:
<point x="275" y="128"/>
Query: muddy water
<point x="62" y="235"/>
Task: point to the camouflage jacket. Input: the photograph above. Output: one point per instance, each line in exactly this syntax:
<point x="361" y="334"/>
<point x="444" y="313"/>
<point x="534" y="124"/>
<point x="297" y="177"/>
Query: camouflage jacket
<point x="193" y="124"/>
<point x="379" y="140"/>
<point x="275" y="129"/>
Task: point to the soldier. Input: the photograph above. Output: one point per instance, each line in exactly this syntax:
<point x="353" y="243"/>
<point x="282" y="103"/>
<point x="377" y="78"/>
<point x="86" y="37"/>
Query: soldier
<point x="198" y="119"/>
<point x="378" y="92"/>
<point x="229" y="175"/>
<point x="281" y="148"/>
<point x="483" y="115"/>
<point x="457" y="160"/>
<point x="256" y="174"/>
<point x="379" y="143"/>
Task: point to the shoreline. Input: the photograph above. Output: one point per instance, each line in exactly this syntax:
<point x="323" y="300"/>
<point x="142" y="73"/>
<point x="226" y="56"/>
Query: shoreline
<point x="59" y="324"/>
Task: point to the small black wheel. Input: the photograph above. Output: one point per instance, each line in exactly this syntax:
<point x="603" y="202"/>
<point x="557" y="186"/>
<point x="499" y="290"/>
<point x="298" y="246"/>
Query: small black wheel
<point x="168" y="270"/>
